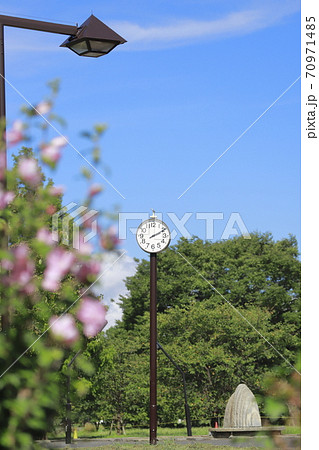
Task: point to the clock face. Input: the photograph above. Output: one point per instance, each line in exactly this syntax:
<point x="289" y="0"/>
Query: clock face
<point x="153" y="235"/>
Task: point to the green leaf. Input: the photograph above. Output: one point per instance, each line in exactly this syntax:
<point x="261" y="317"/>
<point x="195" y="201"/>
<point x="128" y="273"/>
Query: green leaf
<point x="274" y="408"/>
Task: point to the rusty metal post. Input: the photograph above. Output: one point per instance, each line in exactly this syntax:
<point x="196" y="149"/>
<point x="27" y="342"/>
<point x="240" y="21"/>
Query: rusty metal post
<point x="3" y="182"/>
<point x="187" y="413"/>
<point x="2" y="82"/>
<point x="153" y="349"/>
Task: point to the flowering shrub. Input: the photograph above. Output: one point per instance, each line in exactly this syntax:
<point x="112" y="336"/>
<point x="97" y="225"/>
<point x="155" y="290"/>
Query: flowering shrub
<point x="47" y="310"/>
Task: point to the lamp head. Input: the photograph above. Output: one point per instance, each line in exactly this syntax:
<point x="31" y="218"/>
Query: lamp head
<point x="93" y="38"/>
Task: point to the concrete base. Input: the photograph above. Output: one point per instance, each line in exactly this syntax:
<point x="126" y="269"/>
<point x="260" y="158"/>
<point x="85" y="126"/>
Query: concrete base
<point x="247" y="431"/>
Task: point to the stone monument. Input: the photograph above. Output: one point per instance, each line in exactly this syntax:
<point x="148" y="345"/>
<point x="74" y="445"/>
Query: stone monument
<point x="242" y="409"/>
<point x="242" y="417"/>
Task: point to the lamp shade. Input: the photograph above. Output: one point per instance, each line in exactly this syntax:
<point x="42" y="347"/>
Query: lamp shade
<point x="93" y="38"/>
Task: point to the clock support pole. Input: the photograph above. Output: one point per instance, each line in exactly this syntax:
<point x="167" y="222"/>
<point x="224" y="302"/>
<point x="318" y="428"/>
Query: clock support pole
<point x="153" y="349"/>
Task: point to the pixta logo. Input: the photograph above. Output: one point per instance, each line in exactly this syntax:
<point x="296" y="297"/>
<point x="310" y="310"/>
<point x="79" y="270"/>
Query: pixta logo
<point x="234" y="226"/>
<point x="71" y="221"/>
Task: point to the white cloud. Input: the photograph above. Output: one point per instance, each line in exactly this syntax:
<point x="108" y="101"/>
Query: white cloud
<point x="112" y="284"/>
<point x="182" y="32"/>
<point x="189" y="29"/>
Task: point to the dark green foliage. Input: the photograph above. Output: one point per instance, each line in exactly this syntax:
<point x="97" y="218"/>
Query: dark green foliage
<point x="227" y="313"/>
<point x="30" y="360"/>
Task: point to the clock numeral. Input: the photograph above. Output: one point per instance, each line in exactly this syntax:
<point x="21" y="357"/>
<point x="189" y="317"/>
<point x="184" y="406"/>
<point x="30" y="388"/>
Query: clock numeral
<point x="143" y="241"/>
<point x="141" y="235"/>
<point x="152" y="246"/>
<point x="159" y="245"/>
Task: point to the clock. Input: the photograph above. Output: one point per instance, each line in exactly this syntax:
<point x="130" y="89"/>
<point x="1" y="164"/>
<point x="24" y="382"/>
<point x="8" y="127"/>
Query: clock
<point x="153" y="235"/>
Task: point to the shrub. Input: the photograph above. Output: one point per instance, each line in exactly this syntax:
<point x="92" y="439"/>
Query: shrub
<point x="89" y="427"/>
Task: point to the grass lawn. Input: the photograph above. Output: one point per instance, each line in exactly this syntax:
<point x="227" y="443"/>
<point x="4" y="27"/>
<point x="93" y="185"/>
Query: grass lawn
<point x="166" y="445"/>
<point x="131" y="432"/>
<point x="144" y="432"/>
<point x="292" y="430"/>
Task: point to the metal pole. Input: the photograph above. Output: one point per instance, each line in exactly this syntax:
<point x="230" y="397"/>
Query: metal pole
<point x="2" y="82"/>
<point x="68" y="429"/>
<point x="187" y="413"/>
<point x="33" y="25"/>
<point x="3" y="148"/>
<point x="38" y="25"/>
<point x="68" y="413"/>
<point x="153" y="350"/>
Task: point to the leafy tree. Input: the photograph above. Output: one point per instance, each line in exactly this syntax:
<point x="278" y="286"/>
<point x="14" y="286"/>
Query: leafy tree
<point x="218" y="349"/>
<point x="227" y="313"/>
<point x="258" y="272"/>
<point x="119" y="389"/>
<point x="42" y="285"/>
<point x="30" y="388"/>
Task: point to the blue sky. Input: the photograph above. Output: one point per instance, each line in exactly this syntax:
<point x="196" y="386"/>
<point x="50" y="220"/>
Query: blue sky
<point x="193" y="76"/>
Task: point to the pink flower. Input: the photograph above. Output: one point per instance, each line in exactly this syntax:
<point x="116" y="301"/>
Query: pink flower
<point x="51" y="153"/>
<point x="15" y="134"/>
<point x="92" y="314"/>
<point x="56" y="191"/>
<point x="43" y="107"/>
<point x="59" y="141"/>
<point x="5" y="198"/>
<point x="22" y="269"/>
<point x="95" y="188"/>
<point x="87" y="271"/>
<point x="59" y="262"/>
<point x="47" y="236"/>
<point x="89" y="221"/>
<point x="64" y="328"/>
<point x="109" y="240"/>
<point x="6" y="264"/>
<point x="85" y="248"/>
<point x="29" y="171"/>
<point x="51" y="209"/>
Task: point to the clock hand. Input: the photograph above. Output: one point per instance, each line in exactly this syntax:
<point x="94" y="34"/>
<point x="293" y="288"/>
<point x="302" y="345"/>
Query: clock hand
<point x="157" y="233"/>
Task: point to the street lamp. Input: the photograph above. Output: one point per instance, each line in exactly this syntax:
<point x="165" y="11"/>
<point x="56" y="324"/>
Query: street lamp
<point x="92" y="38"/>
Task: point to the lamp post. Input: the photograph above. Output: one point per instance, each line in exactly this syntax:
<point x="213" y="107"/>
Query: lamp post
<point x="93" y="38"/>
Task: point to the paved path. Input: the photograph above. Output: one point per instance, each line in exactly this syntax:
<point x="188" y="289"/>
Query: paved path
<point x="292" y="442"/>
